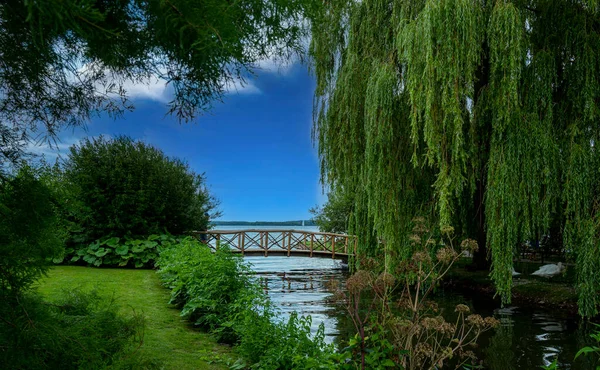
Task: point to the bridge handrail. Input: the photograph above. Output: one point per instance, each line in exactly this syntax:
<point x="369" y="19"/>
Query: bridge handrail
<point x="272" y="231"/>
<point x="277" y="241"/>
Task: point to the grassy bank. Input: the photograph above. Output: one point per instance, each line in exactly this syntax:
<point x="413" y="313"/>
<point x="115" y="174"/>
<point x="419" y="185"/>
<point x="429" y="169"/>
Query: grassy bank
<point x="168" y="338"/>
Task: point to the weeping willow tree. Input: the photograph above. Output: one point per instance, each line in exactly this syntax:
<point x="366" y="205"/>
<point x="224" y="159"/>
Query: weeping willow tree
<point x="481" y="114"/>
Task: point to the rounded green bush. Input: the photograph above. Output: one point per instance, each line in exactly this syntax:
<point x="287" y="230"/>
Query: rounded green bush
<point x="125" y="188"/>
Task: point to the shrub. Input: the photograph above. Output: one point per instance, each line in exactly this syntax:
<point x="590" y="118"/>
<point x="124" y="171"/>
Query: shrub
<point x="116" y="252"/>
<point x="80" y="330"/>
<point x="397" y="325"/>
<point x="28" y="232"/>
<point x="123" y="188"/>
<point x="217" y="291"/>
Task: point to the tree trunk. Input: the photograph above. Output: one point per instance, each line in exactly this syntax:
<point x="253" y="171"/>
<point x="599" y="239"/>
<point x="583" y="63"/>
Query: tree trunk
<point x="480" y="261"/>
<point x="483" y="124"/>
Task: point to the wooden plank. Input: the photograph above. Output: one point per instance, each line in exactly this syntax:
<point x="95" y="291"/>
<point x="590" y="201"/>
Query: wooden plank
<point x="289" y="244"/>
<point x="312" y="240"/>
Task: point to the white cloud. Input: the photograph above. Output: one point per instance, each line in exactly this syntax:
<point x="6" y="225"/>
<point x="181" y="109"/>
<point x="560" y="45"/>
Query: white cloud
<point x="272" y="65"/>
<point x="237" y="86"/>
<point x="152" y="88"/>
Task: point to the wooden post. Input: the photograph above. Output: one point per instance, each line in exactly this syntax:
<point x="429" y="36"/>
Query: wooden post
<point x="312" y="240"/>
<point x="218" y="244"/>
<point x="346" y="245"/>
<point x="266" y="243"/>
<point x="332" y="246"/>
<point x="242" y="238"/>
<point x="289" y="243"/>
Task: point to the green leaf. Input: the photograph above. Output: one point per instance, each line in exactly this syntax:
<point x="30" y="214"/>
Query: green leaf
<point x="112" y="242"/>
<point x="586" y="350"/>
<point x="138" y="248"/>
<point x="89" y="258"/>
<point x="102" y="252"/>
<point x="150" y="244"/>
<point x="153" y="237"/>
<point x="122" y="249"/>
<point x="388" y="363"/>
<point x="94" y="245"/>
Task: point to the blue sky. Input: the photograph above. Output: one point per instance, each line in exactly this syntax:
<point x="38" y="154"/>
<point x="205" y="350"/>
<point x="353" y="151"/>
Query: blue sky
<point x="255" y="148"/>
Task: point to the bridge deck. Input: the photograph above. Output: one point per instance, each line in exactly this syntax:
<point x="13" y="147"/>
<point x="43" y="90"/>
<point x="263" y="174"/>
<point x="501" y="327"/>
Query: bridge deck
<point x="282" y="242"/>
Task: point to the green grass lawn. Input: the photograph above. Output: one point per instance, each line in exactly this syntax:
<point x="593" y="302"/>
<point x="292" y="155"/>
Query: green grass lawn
<point x="168" y="337"/>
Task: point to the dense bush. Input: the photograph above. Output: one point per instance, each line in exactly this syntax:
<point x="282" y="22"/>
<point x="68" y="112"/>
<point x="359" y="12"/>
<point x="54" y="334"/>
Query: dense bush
<point x="29" y="236"/>
<point x="123" y="188"/>
<point x="217" y="291"/>
<point x="79" y="331"/>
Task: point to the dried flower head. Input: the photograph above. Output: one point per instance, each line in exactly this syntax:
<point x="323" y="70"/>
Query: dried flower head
<point x="358" y="282"/>
<point x="420" y="228"/>
<point x="418" y="220"/>
<point x="368" y="263"/>
<point x="469" y="245"/>
<point x="420" y="257"/>
<point x="447" y="229"/>
<point x="463" y="308"/>
<point x="445" y="255"/>
<point x="386" y="279"/>
<point x="415" y="239"/>
<point x="476" y="320"/>
<point x="491" y="322"/>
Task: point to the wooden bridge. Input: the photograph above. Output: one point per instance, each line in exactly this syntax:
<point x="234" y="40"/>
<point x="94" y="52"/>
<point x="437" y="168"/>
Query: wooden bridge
<point x="254" y="242"/>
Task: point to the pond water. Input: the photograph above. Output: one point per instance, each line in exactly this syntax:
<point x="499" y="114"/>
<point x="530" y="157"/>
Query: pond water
<point x="526" y="339"/>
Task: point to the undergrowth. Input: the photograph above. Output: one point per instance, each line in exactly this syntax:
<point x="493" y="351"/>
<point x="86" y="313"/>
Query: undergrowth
<point x="77" y="331"/>
<point x="217" y="291"/>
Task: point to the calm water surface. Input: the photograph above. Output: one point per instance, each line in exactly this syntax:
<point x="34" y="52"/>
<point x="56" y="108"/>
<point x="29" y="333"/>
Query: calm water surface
<point x="526" y="339"/>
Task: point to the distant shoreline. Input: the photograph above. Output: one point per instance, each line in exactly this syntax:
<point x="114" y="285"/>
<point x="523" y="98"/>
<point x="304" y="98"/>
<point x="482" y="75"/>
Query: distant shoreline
<point x="264" y="223"/>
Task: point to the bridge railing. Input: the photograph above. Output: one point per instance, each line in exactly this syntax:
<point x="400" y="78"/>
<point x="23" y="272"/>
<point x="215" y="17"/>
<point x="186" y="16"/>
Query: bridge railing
<point x="282" y="242"/>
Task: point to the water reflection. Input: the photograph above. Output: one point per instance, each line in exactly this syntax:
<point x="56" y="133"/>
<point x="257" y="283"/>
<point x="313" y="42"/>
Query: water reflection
<point x="300" y="284"/>
<point x="526" y="338"/>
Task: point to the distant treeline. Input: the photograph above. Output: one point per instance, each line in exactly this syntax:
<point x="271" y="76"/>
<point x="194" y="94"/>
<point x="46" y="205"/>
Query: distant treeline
<point x="264" y="223"/>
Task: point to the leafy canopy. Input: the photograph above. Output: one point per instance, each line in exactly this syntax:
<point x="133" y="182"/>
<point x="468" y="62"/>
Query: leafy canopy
<point x="63" y="61"/>
<point x="481" y="114"/>
<point x="334" y="216"/>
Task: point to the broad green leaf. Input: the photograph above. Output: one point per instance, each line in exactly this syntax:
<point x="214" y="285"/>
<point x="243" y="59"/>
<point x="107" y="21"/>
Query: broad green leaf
<point x="122" y="249"/>
<point x="112" y="242"/>
<point x="138" y="248"/>
<point x="150" y="244"/>
<point x="94" y="245"/>
<point x="102" y="252"/>
<point x="89" y="258"/>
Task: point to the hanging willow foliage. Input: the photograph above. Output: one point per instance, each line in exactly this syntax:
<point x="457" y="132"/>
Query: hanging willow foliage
<point x="483" y="114"/>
